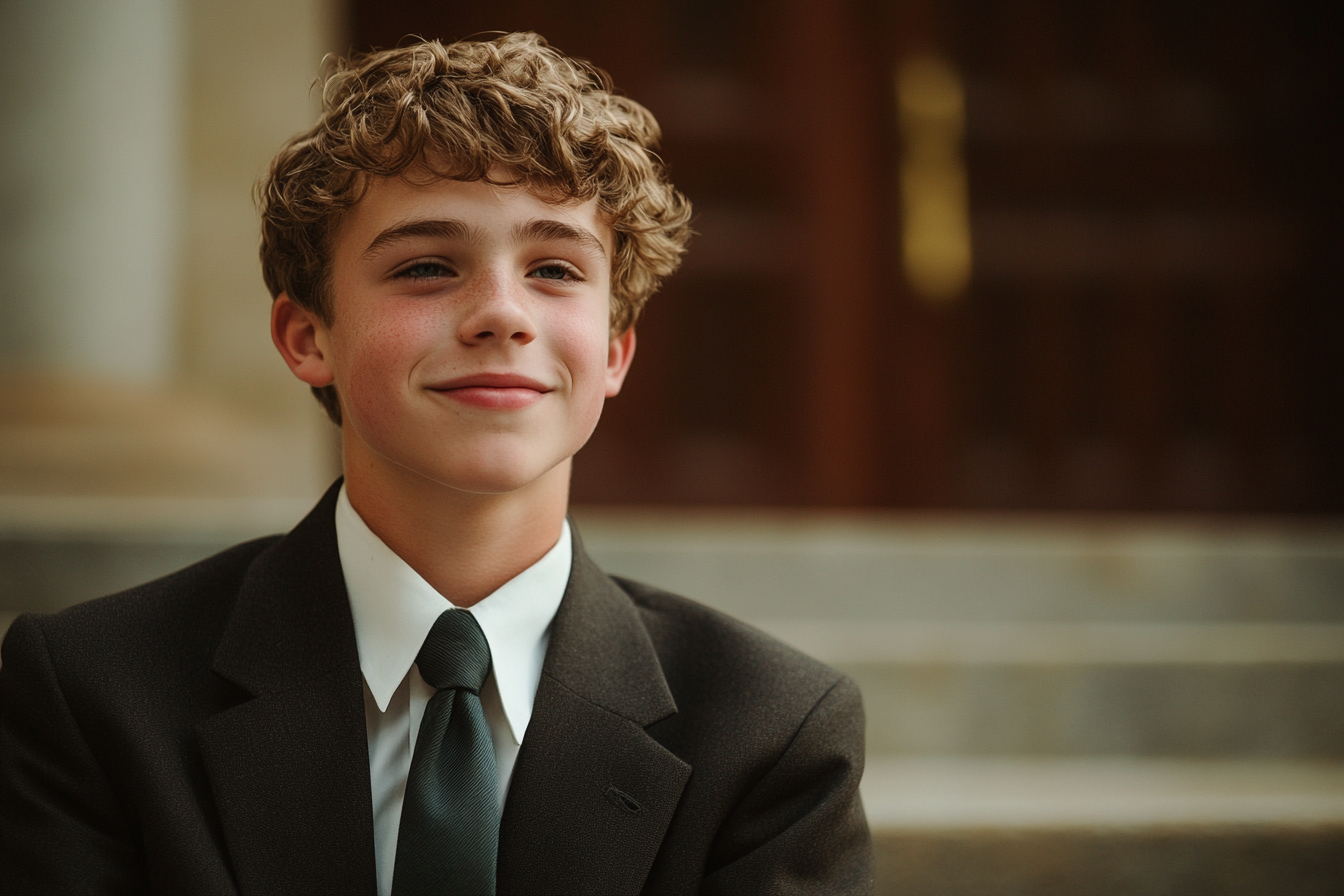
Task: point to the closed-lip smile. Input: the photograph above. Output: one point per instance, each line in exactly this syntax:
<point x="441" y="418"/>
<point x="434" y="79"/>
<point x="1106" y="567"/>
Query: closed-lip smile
<point x="497" y="391"/>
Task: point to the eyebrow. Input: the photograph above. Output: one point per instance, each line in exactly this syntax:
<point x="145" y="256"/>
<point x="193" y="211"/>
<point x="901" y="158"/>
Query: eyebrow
<point x="440" y="228"/>
<point x="453" y="229"/>
<point x="545" y="229"/>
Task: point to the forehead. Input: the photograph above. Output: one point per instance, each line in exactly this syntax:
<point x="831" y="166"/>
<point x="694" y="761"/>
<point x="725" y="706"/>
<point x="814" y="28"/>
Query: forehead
<point x="485" y="208"/>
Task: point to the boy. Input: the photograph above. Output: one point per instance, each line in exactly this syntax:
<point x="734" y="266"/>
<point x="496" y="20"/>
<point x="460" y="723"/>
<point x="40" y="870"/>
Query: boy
<point x="427" y="686"/>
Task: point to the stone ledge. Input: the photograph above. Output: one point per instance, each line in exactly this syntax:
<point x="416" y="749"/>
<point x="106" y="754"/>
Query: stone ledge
<point x="948" y="826"/>
<point x="79" y="436"/>
<point x="1260" y="711"/>
<point x="1061" y="643"/>
<point x="1221" y="860"/>
<point x="974" y="568"/>
<point x="117" y="519"/>
<point x="1094" y="793"/>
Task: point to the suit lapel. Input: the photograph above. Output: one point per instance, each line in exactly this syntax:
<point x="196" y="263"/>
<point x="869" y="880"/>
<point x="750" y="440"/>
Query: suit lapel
<point x="592" y="794"/>
<point x="289" y="769"/>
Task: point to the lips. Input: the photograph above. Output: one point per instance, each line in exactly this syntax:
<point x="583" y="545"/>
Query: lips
<point x="493" y="391"/>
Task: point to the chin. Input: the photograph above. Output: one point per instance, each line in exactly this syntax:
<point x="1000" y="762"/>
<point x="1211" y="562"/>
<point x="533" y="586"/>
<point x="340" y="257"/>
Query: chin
<point x="495" y="475"/>
<point x="488" y="483"/>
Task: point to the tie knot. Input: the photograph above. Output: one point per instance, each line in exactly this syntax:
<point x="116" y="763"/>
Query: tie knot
<point x="455" y="653"/>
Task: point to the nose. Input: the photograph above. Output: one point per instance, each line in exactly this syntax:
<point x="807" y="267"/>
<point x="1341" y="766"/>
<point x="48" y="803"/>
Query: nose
<point x="497" y="311"/>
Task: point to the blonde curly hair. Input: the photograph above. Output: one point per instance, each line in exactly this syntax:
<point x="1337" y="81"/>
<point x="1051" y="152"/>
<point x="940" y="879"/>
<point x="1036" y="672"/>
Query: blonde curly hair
<point x="465" y="110"/>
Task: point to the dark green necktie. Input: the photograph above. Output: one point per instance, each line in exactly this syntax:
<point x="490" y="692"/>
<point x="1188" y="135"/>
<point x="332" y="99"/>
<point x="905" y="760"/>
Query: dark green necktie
<point x="449" y="833"/>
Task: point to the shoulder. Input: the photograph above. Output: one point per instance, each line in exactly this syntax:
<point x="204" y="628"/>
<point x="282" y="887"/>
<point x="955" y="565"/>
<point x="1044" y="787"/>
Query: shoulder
<point x="720" y="668"/>
<point x="684" y="628"/>
<point x="776" y="741"/>
<point x="142" y="627"/>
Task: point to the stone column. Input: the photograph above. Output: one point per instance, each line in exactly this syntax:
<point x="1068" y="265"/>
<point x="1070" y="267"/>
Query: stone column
<point x="90" y="180"/>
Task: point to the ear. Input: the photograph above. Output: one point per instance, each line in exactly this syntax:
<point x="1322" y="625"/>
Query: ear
<point x="620" y="352"/>
<point x="302" y="341"/>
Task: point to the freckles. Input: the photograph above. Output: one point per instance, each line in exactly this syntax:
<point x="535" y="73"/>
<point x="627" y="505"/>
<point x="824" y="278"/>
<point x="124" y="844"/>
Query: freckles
<point x="397" y="337"/>
<point x="368" y="402"/>
<point x="383" y="350"/>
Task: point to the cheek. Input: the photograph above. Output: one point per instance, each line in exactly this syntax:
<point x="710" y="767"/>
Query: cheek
<point x="379" y="358"/>
<point x="585" y="349"/>
<point x="582" y="342"/>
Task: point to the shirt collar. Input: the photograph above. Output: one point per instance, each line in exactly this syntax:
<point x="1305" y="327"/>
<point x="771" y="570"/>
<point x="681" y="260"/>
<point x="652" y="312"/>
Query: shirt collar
<point x="394" y="609"/>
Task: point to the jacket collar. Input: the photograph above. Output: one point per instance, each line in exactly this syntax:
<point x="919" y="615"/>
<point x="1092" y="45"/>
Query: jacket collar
<point x="289" y="769"/>
<point x="600" y="649"/>
<point x="592" y="792"/>
<point x="292" y="621"/>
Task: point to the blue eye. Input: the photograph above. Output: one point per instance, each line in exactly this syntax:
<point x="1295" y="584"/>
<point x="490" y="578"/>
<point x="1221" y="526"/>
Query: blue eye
<point x="425" y="270"/>
<point x="553" y="272"/>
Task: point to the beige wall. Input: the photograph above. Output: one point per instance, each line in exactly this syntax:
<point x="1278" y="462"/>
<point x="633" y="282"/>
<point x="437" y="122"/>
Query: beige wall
<point x="249" y="74"/>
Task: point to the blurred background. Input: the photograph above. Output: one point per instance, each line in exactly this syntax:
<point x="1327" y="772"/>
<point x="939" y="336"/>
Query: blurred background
<point x="1006" y="373"/>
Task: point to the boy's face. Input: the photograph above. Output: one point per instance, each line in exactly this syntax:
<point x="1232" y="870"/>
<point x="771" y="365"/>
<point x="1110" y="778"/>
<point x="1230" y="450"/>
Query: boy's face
<point x="470" y="341"/>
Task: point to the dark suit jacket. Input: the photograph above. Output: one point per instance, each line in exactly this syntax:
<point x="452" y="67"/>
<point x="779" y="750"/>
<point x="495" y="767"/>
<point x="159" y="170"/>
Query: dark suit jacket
<point x="204" y="733"/>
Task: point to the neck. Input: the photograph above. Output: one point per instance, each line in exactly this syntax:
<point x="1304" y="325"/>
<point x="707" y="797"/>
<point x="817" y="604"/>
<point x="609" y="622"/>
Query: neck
<point x="464" y="545"/>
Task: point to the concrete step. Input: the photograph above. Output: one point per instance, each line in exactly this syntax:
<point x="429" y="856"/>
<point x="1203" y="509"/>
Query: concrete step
<point x="60" y="550"/>
<point x="981" y="568"/>
<point x="972" y="793"/>
<point x="1178" y="860"/>
<point x="966" y="827"/>
<point x="1153" y="689"/>
<point x="74" y="435"/>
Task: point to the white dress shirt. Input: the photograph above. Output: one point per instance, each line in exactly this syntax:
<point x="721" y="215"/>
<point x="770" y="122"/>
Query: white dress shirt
<point x="394" y="609"/>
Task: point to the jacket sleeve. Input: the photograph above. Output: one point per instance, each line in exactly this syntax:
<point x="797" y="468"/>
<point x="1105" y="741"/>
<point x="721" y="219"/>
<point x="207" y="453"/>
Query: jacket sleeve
<point x="801" y="829"/>
<point x="61" y="828"/>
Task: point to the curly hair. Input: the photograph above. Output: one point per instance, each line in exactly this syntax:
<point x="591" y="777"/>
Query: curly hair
<point x="462" y="111"/>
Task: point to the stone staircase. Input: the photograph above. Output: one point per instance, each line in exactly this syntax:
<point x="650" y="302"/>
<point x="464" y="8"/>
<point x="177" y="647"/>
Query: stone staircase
<point x="1055" y="706"/>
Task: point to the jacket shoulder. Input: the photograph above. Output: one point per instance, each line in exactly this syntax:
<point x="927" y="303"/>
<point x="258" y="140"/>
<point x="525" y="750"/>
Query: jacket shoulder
<point x="182" y="611"/>
<point x="776" y="741"/>
<point x="726" y="666"/>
